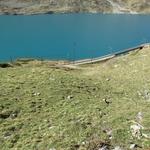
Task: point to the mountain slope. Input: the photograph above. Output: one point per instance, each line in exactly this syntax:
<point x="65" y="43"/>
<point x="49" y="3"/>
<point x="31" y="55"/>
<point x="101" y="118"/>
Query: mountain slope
<point x="63" y="6"/>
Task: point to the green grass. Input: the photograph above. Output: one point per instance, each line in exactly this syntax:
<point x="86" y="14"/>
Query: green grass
<point x="44" y="107"/>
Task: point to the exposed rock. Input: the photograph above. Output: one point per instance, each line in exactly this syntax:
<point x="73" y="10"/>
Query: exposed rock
<point x="107" y="101"/>
<point x="7" y="114"/>
<point x="136" y="130"/>
<point x="108" y="131"/>
<point x="108" y="79"/>
<point x="70" y="97"/>
<point x="147" y="95"/>
<point x="52" y="149"/>
<point x="5" y="65"/>
<point x="36" y="94"/>
<point x="139" y="117"/>
<point x="117" y="148"/>
<point x="63" y="6"/>
<point x="7" y="135"/>
<point x="134" y="146"/>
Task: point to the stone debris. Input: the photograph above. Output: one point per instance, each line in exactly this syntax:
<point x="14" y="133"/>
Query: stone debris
<point x="147" y="95"/>
<point x="136" y="130"/>
<point x="139" y="117"/>
<point x="52" y="149"/>
<point x="116" y="66"/>
<point x="36" y="94"/>
<point x="5" y="65"/>
<point x="146" y="136"/>
<point x="7" y="135"/>
<point x="132" y="146"/>
<point x="117" y="148"/>
<point x="109" y="133"/>
<point x="108" y="79"/>
<point x="14" y="115"/>
<point x="70" y="97"/>
<point x="103" y="148"/>
<point x="9" y="114"/>
<point x="51" y="79"/>
<point x="144" y="94"/>
<point x="139" y="93"/>
<point x="107" y="101"/>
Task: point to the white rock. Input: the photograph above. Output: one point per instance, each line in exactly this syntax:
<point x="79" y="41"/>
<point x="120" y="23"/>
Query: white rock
<point x="115" y="66"/>
<point x="70" y="97"/>
<point x="136" y="130"/>
<point x="103" y="148"/>
<point x="146" y="136"/>
<point x="117" y="148"/>
<point x="36" y="94"/>
<point x="52" y="79"/>
<point x="83" y="143"/>
<point x="132" y="146"/>
<point x="139" y="117"/>
<point x="108" y="79"/>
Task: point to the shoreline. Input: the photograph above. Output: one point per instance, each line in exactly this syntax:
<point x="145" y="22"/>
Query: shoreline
<point x="62" y="13"/>
<point x="19" y="61"/>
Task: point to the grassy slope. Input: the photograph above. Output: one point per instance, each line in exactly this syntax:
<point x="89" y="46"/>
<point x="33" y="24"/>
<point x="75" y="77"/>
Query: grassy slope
<point x="43" y="107"/>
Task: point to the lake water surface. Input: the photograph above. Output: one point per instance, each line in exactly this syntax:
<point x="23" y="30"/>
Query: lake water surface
<point x="70" y="36"/>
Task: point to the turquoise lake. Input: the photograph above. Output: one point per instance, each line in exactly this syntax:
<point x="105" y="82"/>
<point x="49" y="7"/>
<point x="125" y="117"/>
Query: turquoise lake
<point x="70" y="36"/>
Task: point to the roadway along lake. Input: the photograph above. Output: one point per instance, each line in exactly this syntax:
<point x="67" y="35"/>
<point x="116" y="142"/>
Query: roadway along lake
<point x="70" y="36"/>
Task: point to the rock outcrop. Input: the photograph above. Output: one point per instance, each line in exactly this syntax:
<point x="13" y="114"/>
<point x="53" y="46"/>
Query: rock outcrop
<point x="64" y="6"/>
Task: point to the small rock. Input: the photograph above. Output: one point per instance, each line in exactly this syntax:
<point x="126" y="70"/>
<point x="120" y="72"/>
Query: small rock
<point x="139" y="93"/>
<point x="147" y="95"/>
<point x="36" y="94"/>
<point x="52" y="149"/>
<point x="139" y="117"/>
<point x="51" y="127"/>
<point x="103" y="148"/>
<point x="5" y="65"/>
<point x="136" y="130"/>
<point x="132" y="146"/>
<point x="13" y="115"/>
<point x="117" y="148"/>
<point x="146" y="136"/>
<point x="83" y="143"/>
<point x="7" y="135"/>
<point x="135" y="146"/>
<point x="51" y="79"/>
<point x="108" y="79"/>
<point x="70" y="97"/>
<point x="5" y="114"/>
<point x="115" y="66"/>
<point x="107" y="101"/>
<point x="108" y="131"/>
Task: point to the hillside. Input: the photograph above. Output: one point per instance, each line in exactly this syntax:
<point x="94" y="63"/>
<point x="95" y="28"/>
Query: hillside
<point x="47" y="106"/>
<point x="63" y="6"/>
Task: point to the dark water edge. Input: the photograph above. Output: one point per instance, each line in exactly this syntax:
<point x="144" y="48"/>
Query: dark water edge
<point x="70" y="36"/>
